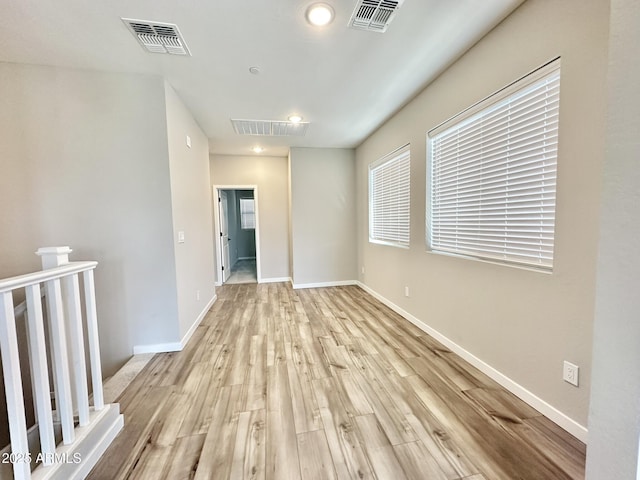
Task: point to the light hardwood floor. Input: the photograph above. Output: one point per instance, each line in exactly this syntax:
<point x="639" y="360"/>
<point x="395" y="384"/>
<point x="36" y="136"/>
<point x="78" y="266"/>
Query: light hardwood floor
<point x="321" y="384"/>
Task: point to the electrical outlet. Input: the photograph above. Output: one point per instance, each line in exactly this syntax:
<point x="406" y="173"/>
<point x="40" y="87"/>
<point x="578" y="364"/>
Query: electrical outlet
<point x="406" y="291"/>
<point x="570" y="373"/>
<point x="362" y="270"/>
<point x="197" y="294"/>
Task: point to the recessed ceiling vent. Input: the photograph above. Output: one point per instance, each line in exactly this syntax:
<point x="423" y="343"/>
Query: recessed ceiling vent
<point x="374" y="15"/>
<point x="158" y="37"/>
<point x="270" y="128"/>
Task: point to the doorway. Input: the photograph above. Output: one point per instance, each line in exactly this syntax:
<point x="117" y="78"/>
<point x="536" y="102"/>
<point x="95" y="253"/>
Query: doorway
<point x="237" y="234"/>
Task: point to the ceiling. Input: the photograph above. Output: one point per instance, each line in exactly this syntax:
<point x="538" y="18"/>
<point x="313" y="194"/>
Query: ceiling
<point x="345" y="82"/>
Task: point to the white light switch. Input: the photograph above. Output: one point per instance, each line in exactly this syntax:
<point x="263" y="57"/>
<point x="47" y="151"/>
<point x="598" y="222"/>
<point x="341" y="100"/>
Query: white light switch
<point x="180" y="237"/>
<point x="188" y="141"/>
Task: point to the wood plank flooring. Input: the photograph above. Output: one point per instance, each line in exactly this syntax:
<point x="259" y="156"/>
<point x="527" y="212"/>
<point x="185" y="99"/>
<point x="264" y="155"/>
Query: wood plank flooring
<point x="325" y="384"/>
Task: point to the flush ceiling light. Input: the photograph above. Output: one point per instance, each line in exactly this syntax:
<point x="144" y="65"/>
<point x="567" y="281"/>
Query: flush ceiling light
<point x="295" y="118"/>
<point x="319" y="14"/>
<point x="258" y="149"/>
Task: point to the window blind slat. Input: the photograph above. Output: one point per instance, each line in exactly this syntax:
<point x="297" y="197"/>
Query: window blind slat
<point x="492" y="177"/>
<point x="389" y="202"/>
<point x="247" y="213"/>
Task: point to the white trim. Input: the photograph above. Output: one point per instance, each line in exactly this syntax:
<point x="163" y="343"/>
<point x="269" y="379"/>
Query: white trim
<point x="218" y="284"/>
<point x="275" y="280"/>
<point x="549" y="411"/>
<point x="157" y="348"/>
<point x="195" y="325"/>
<point x="339" y="283"/>
<point x="89" y="445"/>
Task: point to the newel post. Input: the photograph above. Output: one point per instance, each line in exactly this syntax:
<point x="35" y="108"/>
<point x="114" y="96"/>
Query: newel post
<point x="64" y="386"/>
<point x="53" y="256"/>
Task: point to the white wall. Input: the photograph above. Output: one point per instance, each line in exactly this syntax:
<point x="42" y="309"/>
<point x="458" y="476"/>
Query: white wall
<point x="522" y="323"/>
<point x="323" y="215"/>
<point x="84" y="163"/>
<point x="191" y="213"/>
<point x="614" y="417"/>
<point x="270" y="176"/>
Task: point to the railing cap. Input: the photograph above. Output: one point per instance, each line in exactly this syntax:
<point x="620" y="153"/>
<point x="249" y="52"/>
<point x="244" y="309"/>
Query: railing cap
<point x="21" y="281"/>
<point x="54" y="256"/>
<point x="53" y="250"/>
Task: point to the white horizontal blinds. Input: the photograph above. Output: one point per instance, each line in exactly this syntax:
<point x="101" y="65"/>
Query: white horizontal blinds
<point x="247" y="213"/>
<point x="493" y="177"/>
<point x="389" y="182"/>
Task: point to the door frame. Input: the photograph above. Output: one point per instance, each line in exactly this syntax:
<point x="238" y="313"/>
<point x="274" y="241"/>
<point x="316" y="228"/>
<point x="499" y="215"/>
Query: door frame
<point x="225" y="247"/>
<point x="216" y="223"/>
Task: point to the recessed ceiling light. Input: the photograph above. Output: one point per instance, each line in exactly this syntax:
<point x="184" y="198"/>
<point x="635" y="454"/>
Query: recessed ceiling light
<point x="258" y="149"/>
<point x="319" y="14"/>
<point x="295" y="118"/>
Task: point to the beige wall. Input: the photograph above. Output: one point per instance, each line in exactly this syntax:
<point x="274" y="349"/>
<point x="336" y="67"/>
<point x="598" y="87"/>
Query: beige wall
<point x="323" y="215"/>
<point x="270" y="176"/>
<point x="614" y="417"/>
<point x="191" y="212"/>
<point x="522" y="323"/>
<point x="84" y="163"/>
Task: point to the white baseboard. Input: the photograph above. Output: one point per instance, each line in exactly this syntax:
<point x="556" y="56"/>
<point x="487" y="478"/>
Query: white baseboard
<point x="157" y="348"/>
<point x="339" y="283"/>
<point x="175" y="346"/>
<point x="275" y="280"/>
<point x="549" y="411"/>
<point x="193" y="327"/>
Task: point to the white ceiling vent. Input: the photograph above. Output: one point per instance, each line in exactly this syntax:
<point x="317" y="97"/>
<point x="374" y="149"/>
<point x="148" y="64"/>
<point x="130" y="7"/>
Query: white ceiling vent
<point x="270" y="128"/>
<point x="158" y="37"/>
<point x="374" y="15"/>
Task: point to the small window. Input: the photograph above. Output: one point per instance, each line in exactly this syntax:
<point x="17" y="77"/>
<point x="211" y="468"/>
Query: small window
<point x="389" y="182"/>
<point x="492" y="175"/>
<point x="247" y="213"/>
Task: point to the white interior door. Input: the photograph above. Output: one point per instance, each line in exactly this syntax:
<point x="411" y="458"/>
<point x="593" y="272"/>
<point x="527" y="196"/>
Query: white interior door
<point x="223" y="204"/>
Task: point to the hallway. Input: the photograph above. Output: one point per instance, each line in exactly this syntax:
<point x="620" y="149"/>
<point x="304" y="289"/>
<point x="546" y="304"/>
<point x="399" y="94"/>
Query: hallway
<point x="326" y="383"/>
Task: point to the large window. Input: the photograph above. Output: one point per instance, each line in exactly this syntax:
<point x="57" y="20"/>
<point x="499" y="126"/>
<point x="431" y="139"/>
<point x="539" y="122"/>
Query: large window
<point x="492" y="175"/>
<point x="389" y="180"/>
<point x="247" y="213"/>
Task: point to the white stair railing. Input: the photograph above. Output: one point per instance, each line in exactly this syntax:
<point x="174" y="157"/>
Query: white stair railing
<point x="82" y="442"/>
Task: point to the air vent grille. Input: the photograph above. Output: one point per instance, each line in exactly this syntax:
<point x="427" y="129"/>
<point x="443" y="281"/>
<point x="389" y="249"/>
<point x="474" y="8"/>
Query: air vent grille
<point x="374" y="15"/>
<point x="270" y="128"/>
<point x="158" y="37"/>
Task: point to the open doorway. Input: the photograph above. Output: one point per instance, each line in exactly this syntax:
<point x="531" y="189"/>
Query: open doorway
<point x="237" y="243"/>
